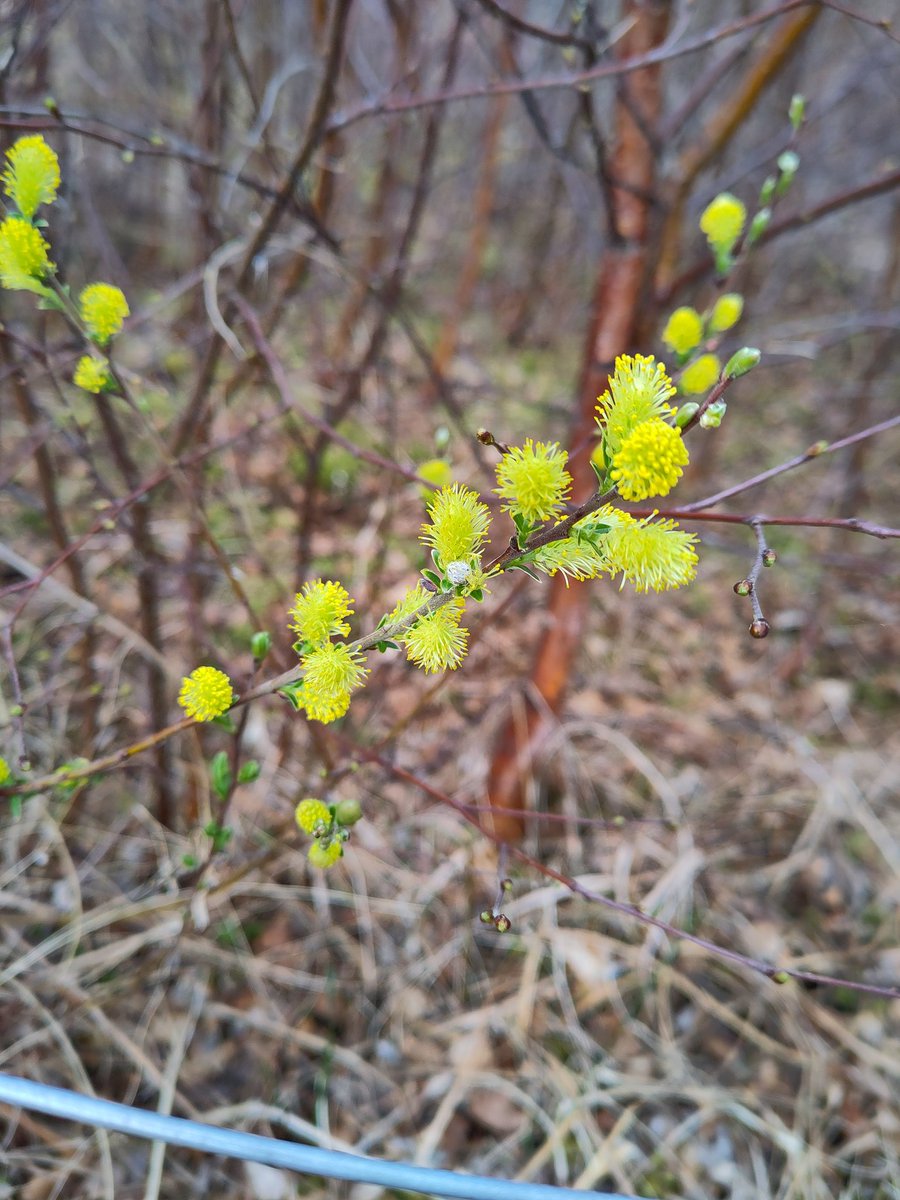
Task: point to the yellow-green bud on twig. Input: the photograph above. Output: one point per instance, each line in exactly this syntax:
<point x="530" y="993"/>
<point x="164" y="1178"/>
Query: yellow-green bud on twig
<point x="741" y="362"/>
<point x="797" y="110"/>
<point x="726" y="312"/>
<point x="712" y="418"/>
<point x="260" y="645"/>
<point x="700" y="376"/>
<point x="686" y="413"/>
<point x="788" y="165"/>
<point x="759" y="225"/>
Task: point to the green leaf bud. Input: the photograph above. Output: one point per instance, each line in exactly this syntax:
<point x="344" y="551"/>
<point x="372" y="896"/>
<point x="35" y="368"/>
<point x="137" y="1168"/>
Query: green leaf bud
<point x="759" y="225"/>
<point x="789" y="163"/>
<point x="220" y="774"/>
<point x="767" y="191"/>
<point x="741" y="362"/>
<point x="260" y="645"/>
<point x="249" y="771"/>
<point x="743" y="587"/>
<point x="348" y="811"/>
<point x="797" y="110"/>
<point x="686" y="413"/>
<point x="712" y="418"/>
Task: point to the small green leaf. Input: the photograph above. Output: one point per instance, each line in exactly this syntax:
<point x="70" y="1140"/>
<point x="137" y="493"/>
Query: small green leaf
<point x="220" y="835"/>
<point x="600" y="472"/>
<point x="249" y="771"/>
<point x="294" y="693"/>
<point x="220" y="774"/>
<point x="528" y="571"/>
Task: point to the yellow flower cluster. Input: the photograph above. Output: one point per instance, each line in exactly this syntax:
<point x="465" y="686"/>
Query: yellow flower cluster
<point x="319" y="610"/>
<point x="459" y="525"/>
<point x="534" y="481"/>
<point x="650" y="461"/>
<point x="92" y="374"/>
<point x="206" y="694"/>
<point x="652" y="555"/>
<point x="311" y="814"/>
<point x="327" y="826"/>
<point x="437" y="642"/>
<point x="31" y="177"/>
<point x="103" y="309"/>
<point x="683" y="330"/>
<point x="330" y="673"/>
<point x="331" y="670"/>
<point x="639" y="389"/>
<point x="700" y="376"/>
<point x="723" y="222"/>
<point x="726" y="312"/>
<point x="24" y="258"/>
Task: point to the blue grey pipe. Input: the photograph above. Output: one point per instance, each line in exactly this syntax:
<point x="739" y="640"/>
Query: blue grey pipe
<point x="332" y="1164"/>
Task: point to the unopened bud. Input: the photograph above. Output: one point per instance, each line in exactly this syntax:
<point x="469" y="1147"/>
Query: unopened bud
<point x="797" y="111"/>
<point x="686" y="413"/>
<point x="506" y="885"/>
<point x="347" y="811"/>
<point x="769" y="558"/>
<point x="741" y="362"/>
<point x="502" y="924"/>
<point x="767" y="191"/>
<point x="759" y="628"/>
<point x="780" y="977"/>
<point x="743" y="587"/>
<point x="260" y="645"/>
<point x="788" y="164"/>
<point x="816" y="449"/>
<point x="486" y="917"/>
<point x="712" y="418"/>
<point x="759" y="225"/>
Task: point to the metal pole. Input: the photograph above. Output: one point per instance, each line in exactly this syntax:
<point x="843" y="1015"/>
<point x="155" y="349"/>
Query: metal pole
<point x="332" y="1164"/>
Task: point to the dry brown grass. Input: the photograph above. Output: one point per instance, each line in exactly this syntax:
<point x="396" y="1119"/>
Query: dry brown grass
<point x="369" y="1009"/>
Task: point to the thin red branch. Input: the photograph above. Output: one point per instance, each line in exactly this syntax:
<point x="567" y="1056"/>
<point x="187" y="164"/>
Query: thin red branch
<point x="814" y="451"/>
<point x="572" y="80"/>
